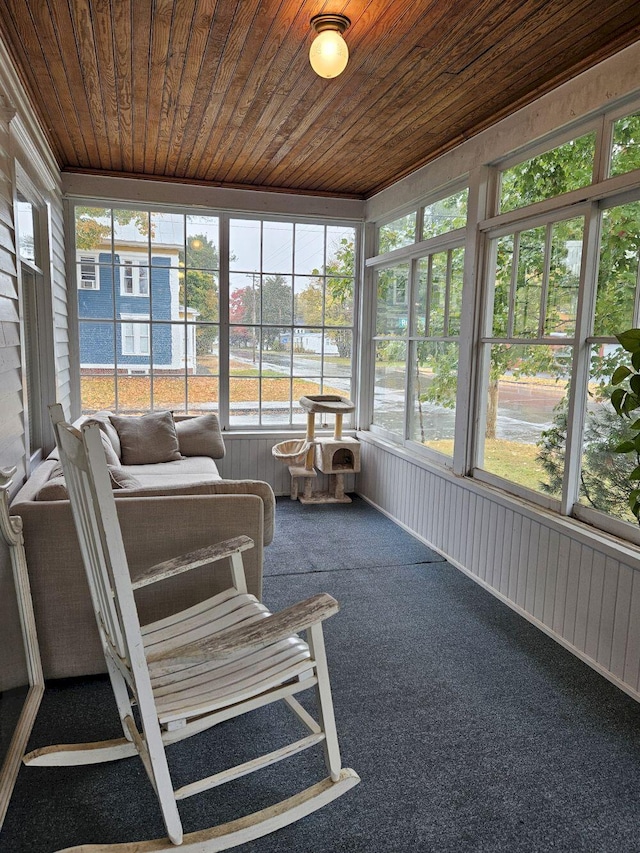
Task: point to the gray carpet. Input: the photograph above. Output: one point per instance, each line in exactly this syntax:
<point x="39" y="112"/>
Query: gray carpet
<point x="471" y="730"/>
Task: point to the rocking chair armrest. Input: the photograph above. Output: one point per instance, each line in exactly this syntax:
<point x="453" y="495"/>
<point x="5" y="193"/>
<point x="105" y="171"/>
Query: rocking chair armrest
<point x="192" y="560"/>
<point x="255" y="635"/>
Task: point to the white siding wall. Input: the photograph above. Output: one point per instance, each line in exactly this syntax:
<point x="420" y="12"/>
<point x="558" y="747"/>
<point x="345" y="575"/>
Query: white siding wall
<point x="12" y="451"/>
<point x="20" y="139"/>
<point x="580" y="588"/>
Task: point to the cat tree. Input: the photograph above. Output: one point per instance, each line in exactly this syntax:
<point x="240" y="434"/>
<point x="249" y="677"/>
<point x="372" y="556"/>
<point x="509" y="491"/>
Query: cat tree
<point x="335" y="456"/>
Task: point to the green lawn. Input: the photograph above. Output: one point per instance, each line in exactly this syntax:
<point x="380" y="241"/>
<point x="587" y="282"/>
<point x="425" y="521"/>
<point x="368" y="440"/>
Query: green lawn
<point x="512" y="460"/>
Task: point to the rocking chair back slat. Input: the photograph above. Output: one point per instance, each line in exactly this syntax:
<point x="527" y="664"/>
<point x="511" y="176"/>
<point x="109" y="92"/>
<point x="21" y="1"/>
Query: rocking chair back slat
<point x="94" y="550"/>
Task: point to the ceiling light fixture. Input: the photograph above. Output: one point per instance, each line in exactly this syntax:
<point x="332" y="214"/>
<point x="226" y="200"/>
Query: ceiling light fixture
<point x="329" y="53"/>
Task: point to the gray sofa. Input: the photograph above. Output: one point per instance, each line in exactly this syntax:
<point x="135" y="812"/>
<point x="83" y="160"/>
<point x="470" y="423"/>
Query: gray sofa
<point x="169" y="508"/>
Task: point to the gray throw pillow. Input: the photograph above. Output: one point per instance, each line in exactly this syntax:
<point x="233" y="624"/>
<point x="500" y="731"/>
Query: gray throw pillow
<point x="148" y="439"/>
<point x="200" y="436"/>
<point x="103" y="419"/>
<point x="110" y="454"/>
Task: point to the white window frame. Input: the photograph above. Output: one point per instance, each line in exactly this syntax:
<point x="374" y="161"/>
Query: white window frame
<point x="411" y="254"/>
<point x="190" y="329"/>
<point x="588" y="201"/>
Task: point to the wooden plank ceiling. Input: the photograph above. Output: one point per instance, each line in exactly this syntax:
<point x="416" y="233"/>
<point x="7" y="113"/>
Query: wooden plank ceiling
<point x="221" y="91"/>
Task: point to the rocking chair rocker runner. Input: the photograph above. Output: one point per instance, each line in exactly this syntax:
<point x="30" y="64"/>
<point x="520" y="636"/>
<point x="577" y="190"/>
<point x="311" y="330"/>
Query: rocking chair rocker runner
<point x="188" y="672"/>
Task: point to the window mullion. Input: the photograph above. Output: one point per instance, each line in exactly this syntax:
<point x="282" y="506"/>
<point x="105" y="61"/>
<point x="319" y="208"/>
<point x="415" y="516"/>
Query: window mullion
<point x="544" y="290"/>
<point x="473" y="377"/>
<point x="223" y="339"/>
<point x="447" y="295"/>
<point x="409" y="347"/>
<point x="515" y="262"/>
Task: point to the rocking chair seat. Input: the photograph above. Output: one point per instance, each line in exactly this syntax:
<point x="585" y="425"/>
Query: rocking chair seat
<point x="191" y="689"/>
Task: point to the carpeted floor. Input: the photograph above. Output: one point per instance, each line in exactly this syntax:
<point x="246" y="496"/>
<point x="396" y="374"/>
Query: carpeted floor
<point x="471" y="730"/>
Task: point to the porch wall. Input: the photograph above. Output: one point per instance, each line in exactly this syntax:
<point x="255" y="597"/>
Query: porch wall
<point x="580" y="587"/>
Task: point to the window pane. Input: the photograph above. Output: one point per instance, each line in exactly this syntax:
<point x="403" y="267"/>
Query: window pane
<point x="445" y="215"/>
<point x="244" y="397"/>
<point x="568" y="167"/>
<point x="604" y="480"/>
<point x="277" y="247"/>
<point x="395" y="235"/>
<point x="564" y="277"/>
<point x="309" y="249"/>
<point x="308" y="301"/>
<point x="244" y="350"/>
<point x="530" y="270"/>
<point x="202" y="394"/>
<point x="134" y="393"/>
<point x="203" y="242"/>
<point x="618" y="271"/>
<point x="527" y="389"/>
<point x="26" y="228"/>
<point x="504" y="249"/>
<point x="625" y="148"/>
<point x="340" y="251"/>
<point x="97" y="391"/>
<point x="338" y="352"/>
<point x="170" y="392"/>
<point x="244" y="245"/>
<point x="433" y="385"/>
<point x="97" y="346"/>
<point x="92" y="303"/>
<point x="393" y="308"/>
<point x="455" y="291"/>
<point x="200" y="291"/>
<point x="206" y="339"/>
<point x="277" y="299"/>
<point x="131" y="234"/>
<point x="275" y="400"/>
<point x="275" y="354"/>
<point x="438" y="294"/>
<point x="307" y="352"/>
<point x="389" y="391"/>
<point x="166" y="235"/>
<point x="338" y="308"/>
<point x="244" y="298"/>
<point x="93" y="229"/>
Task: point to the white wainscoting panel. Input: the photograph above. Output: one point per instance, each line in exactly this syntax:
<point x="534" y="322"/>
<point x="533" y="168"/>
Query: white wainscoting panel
<point x="580" y="588"/>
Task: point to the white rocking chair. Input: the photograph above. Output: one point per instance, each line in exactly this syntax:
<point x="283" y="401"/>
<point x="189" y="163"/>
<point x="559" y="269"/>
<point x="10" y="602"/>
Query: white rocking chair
<point x="217" y="660"/>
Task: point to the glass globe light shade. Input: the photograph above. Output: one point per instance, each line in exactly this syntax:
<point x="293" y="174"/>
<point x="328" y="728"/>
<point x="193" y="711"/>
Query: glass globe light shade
<point x="329" y="54"/>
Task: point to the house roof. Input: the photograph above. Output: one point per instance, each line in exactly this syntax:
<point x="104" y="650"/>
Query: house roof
<point x="221" y="91"/>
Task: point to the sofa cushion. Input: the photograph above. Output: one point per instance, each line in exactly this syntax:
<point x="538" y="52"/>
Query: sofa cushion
<point x="215" y="487"/>
<point x="182" y="472"/>
<point x="55" y="489"/>
<point x="200" y="436"/>
<point x="148" y="439"/>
